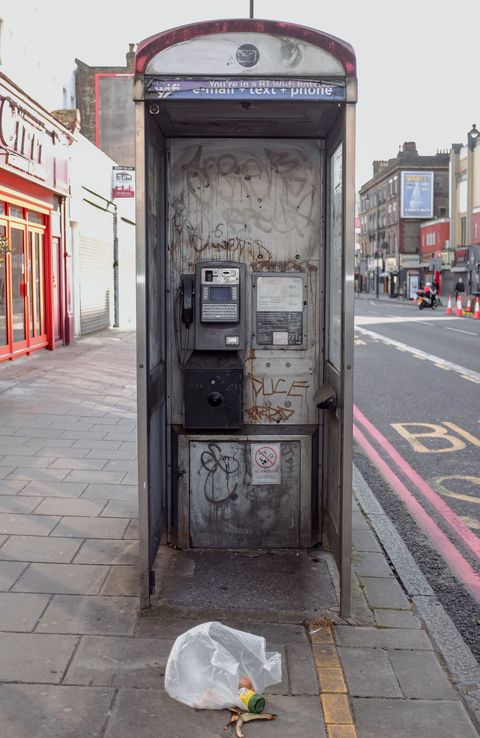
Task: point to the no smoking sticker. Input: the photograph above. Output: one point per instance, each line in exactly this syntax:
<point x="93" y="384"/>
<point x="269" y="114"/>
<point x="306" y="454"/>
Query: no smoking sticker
<point x="266" y="467"/>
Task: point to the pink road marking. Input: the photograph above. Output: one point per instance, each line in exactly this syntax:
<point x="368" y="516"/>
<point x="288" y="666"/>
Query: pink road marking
<point x="448" y="515"/>
<point x="444" y="546"/>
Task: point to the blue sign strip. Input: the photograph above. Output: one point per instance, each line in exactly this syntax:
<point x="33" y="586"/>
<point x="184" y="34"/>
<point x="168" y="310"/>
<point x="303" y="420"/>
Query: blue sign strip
<point x="244" y="89"/>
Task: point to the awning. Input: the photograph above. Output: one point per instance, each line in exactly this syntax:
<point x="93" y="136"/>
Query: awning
<point x="463" y="268"/>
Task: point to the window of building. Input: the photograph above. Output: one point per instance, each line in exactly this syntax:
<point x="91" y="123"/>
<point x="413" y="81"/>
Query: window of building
<point x="463" y="231"/>
<point x="443" y="211"/>
<point x="34" y="217"/>
<point x="15" y="212"/>
<point x="64" y="97"/>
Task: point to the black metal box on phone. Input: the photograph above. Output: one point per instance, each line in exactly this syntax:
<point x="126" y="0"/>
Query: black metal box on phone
<point x="213" y="391"/>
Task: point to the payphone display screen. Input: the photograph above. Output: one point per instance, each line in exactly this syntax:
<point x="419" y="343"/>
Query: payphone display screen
<point x="220" y="294"/>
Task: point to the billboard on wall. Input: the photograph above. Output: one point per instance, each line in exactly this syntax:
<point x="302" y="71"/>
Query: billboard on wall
<point x="417" y="195"/>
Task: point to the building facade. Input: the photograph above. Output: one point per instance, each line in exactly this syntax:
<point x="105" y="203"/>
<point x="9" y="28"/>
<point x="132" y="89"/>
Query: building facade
<point x="465" y="212"/>
<point x="104" y="98"/>
<point x="403" y="193"/>
<point x="35" y="260"/>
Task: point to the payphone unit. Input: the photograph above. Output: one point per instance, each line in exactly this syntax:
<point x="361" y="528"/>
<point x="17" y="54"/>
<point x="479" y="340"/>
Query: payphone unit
<point x="213" y="381"/>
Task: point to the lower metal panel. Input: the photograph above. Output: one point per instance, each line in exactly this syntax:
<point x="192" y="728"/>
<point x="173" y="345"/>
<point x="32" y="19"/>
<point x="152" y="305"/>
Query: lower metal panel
<point x="226" y="503"/>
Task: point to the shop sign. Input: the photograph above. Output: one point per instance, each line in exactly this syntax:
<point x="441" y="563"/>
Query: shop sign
<point x="391" y="264"/>
<point x="461" y="256"/>
<point x="245" y="89"/>
<point x="409" y="262"/>
<point x="30" y="147"/>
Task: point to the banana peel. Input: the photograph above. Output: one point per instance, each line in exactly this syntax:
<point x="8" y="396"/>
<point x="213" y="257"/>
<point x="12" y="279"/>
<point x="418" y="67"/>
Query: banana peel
<point x="238" y="719"/>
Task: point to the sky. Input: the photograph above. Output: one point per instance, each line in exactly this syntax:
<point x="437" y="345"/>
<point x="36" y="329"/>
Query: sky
<point x="418" y="64"/>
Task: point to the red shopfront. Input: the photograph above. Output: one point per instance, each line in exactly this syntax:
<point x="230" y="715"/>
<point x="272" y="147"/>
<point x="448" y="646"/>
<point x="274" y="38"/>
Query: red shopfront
<point x="35" y="308"/>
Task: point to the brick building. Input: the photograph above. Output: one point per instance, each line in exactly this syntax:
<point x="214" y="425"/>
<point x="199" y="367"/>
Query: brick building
<point x="403" y="193"/>
<point x="104" y="98"/>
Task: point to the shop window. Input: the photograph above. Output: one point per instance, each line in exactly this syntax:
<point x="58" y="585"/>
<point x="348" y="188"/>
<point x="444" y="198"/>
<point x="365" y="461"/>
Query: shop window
<point x="3" y="208"/>
<point x="15" y="212"/>
<point x="35" y="217"/>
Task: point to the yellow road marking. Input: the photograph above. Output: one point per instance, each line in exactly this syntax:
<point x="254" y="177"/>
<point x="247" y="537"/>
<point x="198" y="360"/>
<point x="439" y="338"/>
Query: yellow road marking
<point x="471" y="522"/>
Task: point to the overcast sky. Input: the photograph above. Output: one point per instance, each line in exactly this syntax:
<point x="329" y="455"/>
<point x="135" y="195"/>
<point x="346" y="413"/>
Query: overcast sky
<point x="418" y="64"/>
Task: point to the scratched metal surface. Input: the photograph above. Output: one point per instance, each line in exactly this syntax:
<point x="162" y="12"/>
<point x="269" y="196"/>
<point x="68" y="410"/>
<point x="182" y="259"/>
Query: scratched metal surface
<point x="257" y="202"/>
<point x="228" y="511"/>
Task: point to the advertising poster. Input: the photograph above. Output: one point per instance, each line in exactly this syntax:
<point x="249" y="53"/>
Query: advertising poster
<point x="417" y="195"/>
<point x="123" y="182"/>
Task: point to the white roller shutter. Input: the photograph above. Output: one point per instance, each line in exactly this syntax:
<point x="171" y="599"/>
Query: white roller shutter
<point x="96" y="269"/>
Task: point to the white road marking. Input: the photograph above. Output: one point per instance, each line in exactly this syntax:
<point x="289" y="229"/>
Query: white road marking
<point x="437" y="360"/>
<point x="368" y="319"/>
<point x="459" y="330"/>
<point x="470" y="379"/>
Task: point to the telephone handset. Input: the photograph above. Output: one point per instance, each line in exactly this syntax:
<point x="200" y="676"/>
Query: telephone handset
<point x="188" y="293"/>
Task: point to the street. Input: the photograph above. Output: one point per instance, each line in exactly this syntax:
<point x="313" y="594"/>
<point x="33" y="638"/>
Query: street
<point x="416" y="423"/>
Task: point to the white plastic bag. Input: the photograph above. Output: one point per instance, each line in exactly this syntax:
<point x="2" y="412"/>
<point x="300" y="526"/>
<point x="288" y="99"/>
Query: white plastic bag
<point x="206" y="663"/>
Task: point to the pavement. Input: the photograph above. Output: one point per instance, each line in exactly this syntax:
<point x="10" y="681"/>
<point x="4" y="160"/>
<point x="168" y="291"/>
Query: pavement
<point x="78" y="659"/>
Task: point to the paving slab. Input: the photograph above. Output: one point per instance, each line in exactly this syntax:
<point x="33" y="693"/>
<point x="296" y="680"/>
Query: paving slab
<point x="31" y="525"/>
<point x="297" y="716"/>
<point x="40" y="548"/>
<point x="17" y="504"/>
<point x="369" y="673"/>
<point x="33" y="462"/>
<point x="102" y="551"/>
<point x="74" y="462"/>
<point x="114" y="661"/>
<point x="32" y="474"/>
<point x="392" y="638"/>
<point x="301" y="670"/>
<point x="371" y="564"/>
<point x="377" y="718"/>
<point x="10" y="486"/>
<point x="43" y="660"/>
<point x="131" y="532"/>
<point x="46" y="711"/>
<point x="365" y="540"/>
<point x="92" y="476"/>
<point x="52" y="488"/>
<point x="70" y="506"/>
<point x="397" y="619"/>
<point x="111" y="492"/>
<point x="421" y="676"/>
<point x="9" y="573"/>
<point x="383" y="592"/>
<point x="121" y="509"/>
<point x="122" y="580"/>
<point x="82" y="527"/>
<point x="20" y="612"/>
<point x="81" y="615"/>
<point x="76" y="454"/>
<point x="62" y="579"/>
